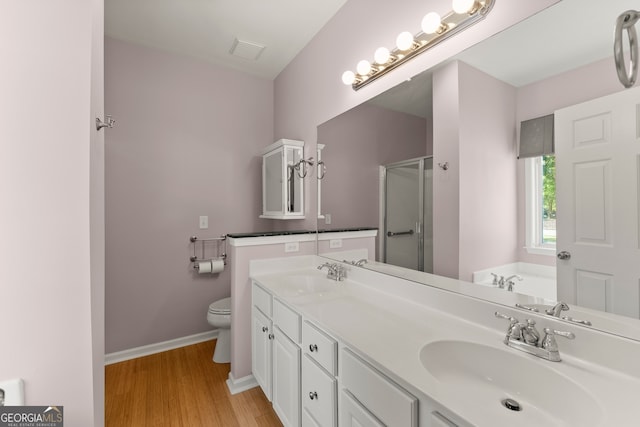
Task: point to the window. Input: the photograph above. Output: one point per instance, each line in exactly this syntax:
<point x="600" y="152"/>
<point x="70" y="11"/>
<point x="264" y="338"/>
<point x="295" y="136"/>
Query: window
<point x="540" y="204"/>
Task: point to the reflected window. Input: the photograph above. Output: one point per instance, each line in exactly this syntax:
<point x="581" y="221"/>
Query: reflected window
<point x="540" y="204"/>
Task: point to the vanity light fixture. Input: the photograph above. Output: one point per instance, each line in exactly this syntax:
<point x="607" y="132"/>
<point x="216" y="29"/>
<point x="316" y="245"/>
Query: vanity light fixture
<point x="435" y="29"/>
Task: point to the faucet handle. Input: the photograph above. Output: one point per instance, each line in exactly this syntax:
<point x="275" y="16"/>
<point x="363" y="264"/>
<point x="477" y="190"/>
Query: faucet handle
<point x="571" y="319"/>
<point x="569" y="335"/>
<point x="504" y="316"/>
<point x="549" y="341"/>
<point x="514" y="331"/>
<point x="527" y="307"/>
<point x="495" y="278"/>
<point x="512" y="320"/>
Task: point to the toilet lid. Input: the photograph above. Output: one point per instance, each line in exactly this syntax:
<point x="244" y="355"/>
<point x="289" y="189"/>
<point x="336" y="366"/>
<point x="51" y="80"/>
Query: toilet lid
<point x="222" y="306"/>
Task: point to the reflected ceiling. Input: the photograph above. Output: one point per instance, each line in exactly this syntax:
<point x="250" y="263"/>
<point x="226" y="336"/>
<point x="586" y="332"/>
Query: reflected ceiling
<point x="542" y="55"/>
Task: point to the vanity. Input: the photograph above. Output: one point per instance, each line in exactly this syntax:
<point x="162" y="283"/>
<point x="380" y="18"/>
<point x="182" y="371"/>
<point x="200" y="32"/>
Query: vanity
<point x="376" y="350"/>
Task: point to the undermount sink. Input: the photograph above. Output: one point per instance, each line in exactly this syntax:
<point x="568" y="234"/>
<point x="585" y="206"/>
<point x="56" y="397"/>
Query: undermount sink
<point x="516" y="385"/>
<point x="305" y="284"/>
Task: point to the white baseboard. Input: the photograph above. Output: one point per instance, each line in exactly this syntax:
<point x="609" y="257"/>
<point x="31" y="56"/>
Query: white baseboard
<point x="146" y="350"/>
<point x="241" y="384"/>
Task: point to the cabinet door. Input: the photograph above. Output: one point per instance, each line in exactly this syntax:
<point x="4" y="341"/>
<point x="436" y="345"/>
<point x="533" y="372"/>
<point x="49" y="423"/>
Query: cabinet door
<point x="318" y="393"/>
<point x="308" y="421"/>
<point x="261" y="350"/>
<point x="352" y="414"/>
<point x="286" y="379"/>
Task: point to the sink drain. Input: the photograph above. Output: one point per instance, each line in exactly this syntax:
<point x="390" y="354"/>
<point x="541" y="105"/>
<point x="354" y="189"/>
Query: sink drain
<point x="511" y="405"/>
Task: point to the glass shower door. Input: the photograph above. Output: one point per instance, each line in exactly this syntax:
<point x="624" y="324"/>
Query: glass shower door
<point x="408" y="190"/>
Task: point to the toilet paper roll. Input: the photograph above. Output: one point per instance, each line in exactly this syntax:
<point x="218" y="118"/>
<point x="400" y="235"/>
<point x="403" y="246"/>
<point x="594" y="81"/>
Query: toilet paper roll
<point x="217" y="265"/>
<point x="210" y="266"/>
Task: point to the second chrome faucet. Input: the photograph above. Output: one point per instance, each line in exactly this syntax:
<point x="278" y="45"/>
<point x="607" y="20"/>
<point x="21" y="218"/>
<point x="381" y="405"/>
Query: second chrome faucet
<point x="335" y="271"/>
<point x="524" y="336"/>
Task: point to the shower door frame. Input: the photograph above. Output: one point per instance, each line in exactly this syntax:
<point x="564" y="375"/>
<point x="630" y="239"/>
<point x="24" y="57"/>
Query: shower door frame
<point x="382" y="243"/>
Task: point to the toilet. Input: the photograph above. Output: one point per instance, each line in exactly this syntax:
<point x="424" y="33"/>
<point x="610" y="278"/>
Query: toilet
<point x="219" y="316"/>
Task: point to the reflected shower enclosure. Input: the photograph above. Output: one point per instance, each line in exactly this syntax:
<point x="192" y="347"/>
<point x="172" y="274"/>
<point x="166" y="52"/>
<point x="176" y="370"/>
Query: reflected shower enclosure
<point x="407" y="206"/>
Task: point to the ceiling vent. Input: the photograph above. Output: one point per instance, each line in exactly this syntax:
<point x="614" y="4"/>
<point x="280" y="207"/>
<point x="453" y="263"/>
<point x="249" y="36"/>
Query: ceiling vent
<point x="246" y="50"/>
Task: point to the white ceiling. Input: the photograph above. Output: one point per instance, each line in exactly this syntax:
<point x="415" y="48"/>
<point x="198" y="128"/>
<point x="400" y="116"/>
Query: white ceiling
<point x="206" y="29"/>
<point x="567" y="35"/>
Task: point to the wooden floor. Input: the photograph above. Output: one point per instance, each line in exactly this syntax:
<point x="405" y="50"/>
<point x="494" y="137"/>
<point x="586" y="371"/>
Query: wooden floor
<point x="181" y="387"/>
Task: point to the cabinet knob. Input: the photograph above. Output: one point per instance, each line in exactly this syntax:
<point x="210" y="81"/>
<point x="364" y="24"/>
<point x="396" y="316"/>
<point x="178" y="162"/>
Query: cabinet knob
<point x="313" y="395"/>
<point x="271" y="336"/>
<point x="313" y="347"/>
<point x="265" y="329"/>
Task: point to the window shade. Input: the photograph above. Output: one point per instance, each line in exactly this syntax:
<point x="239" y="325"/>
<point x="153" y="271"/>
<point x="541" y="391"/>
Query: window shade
<point x="536" y="137"/>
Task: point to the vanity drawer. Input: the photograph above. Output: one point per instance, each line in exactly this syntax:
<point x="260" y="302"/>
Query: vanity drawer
<point x="384" y="399"/>
<point x="321" y="347"/>
<point x="287" y="319"/>
<point x="261" y="299"/>
<point x="319" y="393"/>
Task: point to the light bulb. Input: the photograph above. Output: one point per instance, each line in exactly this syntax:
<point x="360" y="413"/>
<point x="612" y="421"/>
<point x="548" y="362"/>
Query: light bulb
<point x="431" y="23"/>
<point x="404" y="40"/>
<point x="348" y="77"/>
<point x="382" y="55"/>
<point x="463" y="6"/>
<point x="364" y="67"/>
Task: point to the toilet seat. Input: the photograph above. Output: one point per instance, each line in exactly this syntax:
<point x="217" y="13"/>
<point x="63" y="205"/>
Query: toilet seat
<point x="222" y="306"/>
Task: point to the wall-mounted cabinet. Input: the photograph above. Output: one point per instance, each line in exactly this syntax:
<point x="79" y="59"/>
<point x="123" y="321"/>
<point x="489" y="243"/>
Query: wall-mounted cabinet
<point x="283" y="171"/>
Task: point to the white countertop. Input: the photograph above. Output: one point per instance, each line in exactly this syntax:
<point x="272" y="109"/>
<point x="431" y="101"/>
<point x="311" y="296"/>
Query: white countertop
<point x="390" y="331"/>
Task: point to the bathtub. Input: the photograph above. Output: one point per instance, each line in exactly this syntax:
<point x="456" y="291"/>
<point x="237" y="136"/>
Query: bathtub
<point x="538" y="280"/>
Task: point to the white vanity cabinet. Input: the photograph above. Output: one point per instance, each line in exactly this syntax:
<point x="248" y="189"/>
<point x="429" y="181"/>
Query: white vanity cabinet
<point x="283" y="170"/>
<point x="297" y="365"/>
<point x="276" y="354"/>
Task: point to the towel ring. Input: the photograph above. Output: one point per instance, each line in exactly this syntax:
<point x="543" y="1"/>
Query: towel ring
<point x="626" y="21"/>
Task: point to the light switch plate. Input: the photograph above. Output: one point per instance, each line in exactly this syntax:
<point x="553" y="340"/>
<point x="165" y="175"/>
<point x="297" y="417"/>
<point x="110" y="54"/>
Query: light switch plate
<point x="327" y="219"/>
<point x="335" y="243"/>
<point x="204" y="222"/>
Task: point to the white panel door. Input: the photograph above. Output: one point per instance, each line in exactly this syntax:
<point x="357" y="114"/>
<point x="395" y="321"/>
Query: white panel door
<point x="319" y="393"/>
<point x="597" y="146"/>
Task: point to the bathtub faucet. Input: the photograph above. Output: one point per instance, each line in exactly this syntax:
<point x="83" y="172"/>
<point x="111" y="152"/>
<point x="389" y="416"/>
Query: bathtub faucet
<point x="510" y="283"/>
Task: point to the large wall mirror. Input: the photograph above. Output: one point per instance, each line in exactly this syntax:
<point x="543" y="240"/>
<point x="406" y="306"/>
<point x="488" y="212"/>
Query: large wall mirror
<point x="443" y="146"/>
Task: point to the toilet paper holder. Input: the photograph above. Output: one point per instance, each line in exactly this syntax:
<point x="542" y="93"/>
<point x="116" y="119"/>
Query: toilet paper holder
<point x="220" y="254"/>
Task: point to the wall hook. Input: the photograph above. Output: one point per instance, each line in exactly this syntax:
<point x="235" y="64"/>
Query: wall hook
<point x="444" y="166"/>
<point x="108" y="123"/>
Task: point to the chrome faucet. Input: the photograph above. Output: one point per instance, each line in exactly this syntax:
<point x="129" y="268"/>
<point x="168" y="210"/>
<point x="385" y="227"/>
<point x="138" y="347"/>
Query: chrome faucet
<point x="510" y="283"/>
<point x="557" y="309"/>
<point x="335" y="271"/>
<point x="525" y="337"/>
